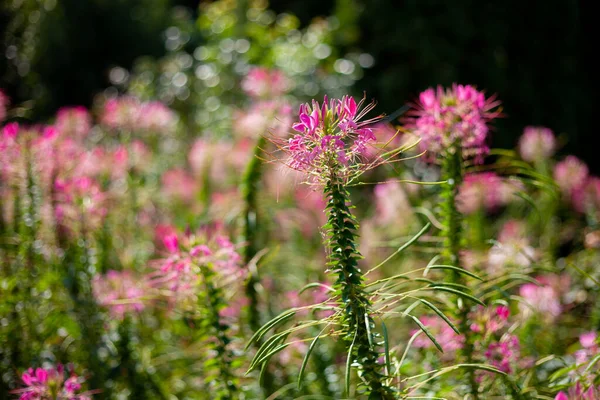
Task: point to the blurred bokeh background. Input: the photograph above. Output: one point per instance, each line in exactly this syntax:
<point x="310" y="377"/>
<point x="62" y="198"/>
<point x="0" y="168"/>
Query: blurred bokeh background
<point x="536" y="55"/>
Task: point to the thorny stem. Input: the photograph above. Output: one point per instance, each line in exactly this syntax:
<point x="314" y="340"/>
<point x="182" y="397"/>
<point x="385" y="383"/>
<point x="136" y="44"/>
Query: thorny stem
<point x="224" y="357"/>
<point x="452" y="233"/>
<point x="343" y="260"/>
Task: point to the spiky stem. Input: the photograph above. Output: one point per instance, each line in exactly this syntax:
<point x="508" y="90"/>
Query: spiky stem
<point x="356" y="319"/>
<point x="213" y="324"/>
<point x="452" y="232"/>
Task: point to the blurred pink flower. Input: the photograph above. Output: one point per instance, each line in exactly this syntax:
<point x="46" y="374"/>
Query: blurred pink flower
<point x="177" y="275"/>
<point x="80" y="200"/>
<point x="265" y="83"/>
<point x="179" y="185"/>
<point x="391" y="203"/>
<point x="485" y="191"/>
<point x="489" y="320"/>
<point x="4" y="102"/>
<point x="577" y="392"/>
<point x="130" y="114"/>
<point x="545" y="298"/>
<point x="571" y="175"/>
<point x="512" y="249"/>
<point x="121" y="292"/>
<point x="449" y="340"/>
<point x="73" y="122"/>
<point x="264" y="118"/>
<point x="537" y="143"/>
<point x="504" y="354"/>
<point x="456" y="116"/>
<point x="586" y="199"/>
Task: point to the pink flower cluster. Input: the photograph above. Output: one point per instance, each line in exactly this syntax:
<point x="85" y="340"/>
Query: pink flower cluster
<point x="504" y="353"/>
<point x="512" y="249"/>
<point x="537" y="144"/>
<point x="121" y="292"/>
<point x="577" y="392"/>
<point x="73" y="122"/>
<point x="485" y="191"/>
<point x="178" y="274"/>
<point x="130" y="114"/>
<point x="265" y="83"/>
<point x="544" y="298"/>
<point x="590" y="348"/>
<point x="487" y="321"/>
<point x="449" y="340"/>
<point x="445" y="119"/>
<point x="331" y="136"/>
<point x="80" y="200"/>
<point x="50" y="384"/>
<point x="571" y="175"/>
<point x="4" y="102"/>
<point x="262" y="118"/>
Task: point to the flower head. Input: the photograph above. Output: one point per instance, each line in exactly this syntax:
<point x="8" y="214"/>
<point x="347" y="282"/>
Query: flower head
<point x="4" y="101"/>
<point x="178" y="273"/>
<point x="445" y="119"/>
<point x="537" y="143"/>
<point x="331" y="138"/>
<point x="73" y="122"/>
<point x="484" y="191"/>
<point x="265" y="83"/>
<point x="120" y="292"/>
<point x="50" y="384"/>
<point x="571" y="174"/>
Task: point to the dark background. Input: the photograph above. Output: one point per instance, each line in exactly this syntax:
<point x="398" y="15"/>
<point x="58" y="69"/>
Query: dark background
<point x="537" y="56"/>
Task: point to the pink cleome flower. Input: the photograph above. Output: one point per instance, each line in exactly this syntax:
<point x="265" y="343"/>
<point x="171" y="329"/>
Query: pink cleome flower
<point x="120" y="291"/>
<point x="73" y="122"/>
<point x="484" y="191"/>
<point x="177" y="275"/>
<point x="545" y="298"/>
<point x="577" y="392"/>
<point x="537" y="143"/>
<point x="454" y="117"/>
<point x="265" y="83"/>
<point x="80" y="198"/>
<point x="4" y="102"/>
<point x="504" y="353"/>
<point x="571" y="175"/>
<point x="130" y="114"/>
<point x="449" y="340"/>
<point x="331" y="137"/>
<point x="50" y="384"/>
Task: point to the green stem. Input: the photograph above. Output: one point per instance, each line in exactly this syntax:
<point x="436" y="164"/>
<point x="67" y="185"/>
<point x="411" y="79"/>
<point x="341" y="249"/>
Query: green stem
<point x="214" y="297"/>
<point x="452" y="233"/>
<point x="250" y="189"/>
<point x="356" y="320"/>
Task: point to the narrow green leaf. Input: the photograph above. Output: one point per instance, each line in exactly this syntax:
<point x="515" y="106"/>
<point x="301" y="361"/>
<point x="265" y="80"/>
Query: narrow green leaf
<point x="348" y="365"/>
<point x="306" y="356"/>
<point x="426" y="331"/>
<point x="458" y="293"/>
<point x="457" y="269"/>
<point x="271" y="324"/>
<point x="441" y="314"/>
<point x="386" y="348"/>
